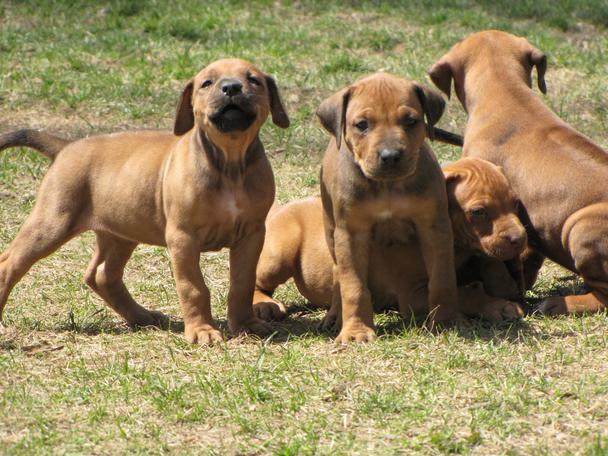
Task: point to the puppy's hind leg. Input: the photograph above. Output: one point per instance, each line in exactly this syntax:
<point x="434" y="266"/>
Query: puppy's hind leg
<point x="274" y="268"/>
<point x="43" y="232"/>
<point x="104" y="275"/>
<point x="277" y="263"/>
<point x="588" y="242"/>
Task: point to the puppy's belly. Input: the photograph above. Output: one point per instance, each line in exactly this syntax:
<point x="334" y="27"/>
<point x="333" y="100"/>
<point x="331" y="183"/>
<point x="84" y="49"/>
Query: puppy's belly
<point x="215" y="236"/>
<point x="136" y="226"/>
<point x="395" y="271"/>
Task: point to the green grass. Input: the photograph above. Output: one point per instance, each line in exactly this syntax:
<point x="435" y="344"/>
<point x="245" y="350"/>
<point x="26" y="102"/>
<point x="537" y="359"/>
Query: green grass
<point x="74" y="380"/>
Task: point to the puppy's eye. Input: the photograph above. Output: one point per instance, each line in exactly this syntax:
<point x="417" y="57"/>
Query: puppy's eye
<point x="362" y="126"/>
<point x="207" y="83"/>
<point x="409" y="121"/>
<point x="253" y="80"/>
<point x="478" y="213"/>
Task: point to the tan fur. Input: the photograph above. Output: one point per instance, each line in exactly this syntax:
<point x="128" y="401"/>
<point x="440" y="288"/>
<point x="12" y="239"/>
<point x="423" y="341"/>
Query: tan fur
<point x="558" y="174"/>
<point x="379" y="179"/>
<point x="208" y="188"/>
<point x="295" y="247"/>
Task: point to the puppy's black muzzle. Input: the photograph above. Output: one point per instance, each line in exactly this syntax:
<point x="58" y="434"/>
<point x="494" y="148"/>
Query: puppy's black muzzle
<point x="235" y="110"/>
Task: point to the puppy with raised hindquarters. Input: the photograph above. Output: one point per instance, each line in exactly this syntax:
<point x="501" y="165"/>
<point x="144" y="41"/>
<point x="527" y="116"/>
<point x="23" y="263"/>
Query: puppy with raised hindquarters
<point x="558" y="174"/>
<point x="380" y="181"/>
<point x="205" y="186"/>
<point x="484" y="221"/>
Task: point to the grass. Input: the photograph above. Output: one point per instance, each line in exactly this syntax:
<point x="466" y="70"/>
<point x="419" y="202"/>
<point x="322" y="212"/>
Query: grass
<point x="74" y="380"/>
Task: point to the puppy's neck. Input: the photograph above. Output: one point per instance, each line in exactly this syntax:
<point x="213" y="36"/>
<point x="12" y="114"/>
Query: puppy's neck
<point x="234" y="145"/>
<point x="221" y="159"/>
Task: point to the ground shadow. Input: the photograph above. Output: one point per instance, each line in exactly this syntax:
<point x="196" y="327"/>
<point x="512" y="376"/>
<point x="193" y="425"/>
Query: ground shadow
<point x="303" y="321"/>
<point x="105" y="324"/>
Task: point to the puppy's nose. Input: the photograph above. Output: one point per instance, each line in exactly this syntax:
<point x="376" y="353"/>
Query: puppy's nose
<point x="516" y="239"/>
<point x="389" y="156"/>
<point x="231" y="87"/>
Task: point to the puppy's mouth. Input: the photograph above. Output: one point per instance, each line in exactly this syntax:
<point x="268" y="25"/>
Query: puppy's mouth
<point x="233" y="117"/>
<point x="501" y="252"/>
<point x="382" y="173"/>
<point x="385" y="176"/>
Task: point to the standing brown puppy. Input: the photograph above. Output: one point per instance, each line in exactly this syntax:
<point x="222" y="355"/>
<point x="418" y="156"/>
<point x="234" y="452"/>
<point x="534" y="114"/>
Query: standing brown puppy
<point x="558" y="174"/>
<point x="379" y="180"/>
<point x="206" y="187"/>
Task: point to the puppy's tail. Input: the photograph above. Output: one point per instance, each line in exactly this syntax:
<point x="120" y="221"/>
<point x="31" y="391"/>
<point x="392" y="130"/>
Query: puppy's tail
<point x="45" y="143"/>
<point x="448" y="137"/>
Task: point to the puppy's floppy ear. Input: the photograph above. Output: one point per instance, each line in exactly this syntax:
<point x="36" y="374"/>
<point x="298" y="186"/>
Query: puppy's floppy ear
<point x="279" y="115"/>
<point x="451" y="175"/>
<point x="184" y="118"/>
<point x="442" y="74"/>
<point x="452" y="178"/>
<point x="538" y="59"/>
<point x="332" y="114"/>
<point x="433" y="105"/>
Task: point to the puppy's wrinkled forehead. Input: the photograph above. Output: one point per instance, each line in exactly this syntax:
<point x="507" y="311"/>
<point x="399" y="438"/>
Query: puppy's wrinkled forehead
<point x="482" y="180"/>
<point x="228" y="68"/>
<point x="384" y="93"/>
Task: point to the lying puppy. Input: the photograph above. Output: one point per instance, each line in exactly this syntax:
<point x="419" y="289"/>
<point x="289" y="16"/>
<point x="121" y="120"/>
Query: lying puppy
<point x="558" y="174"/>
<point x="380" y="181"/>
<point x="484" y="220"/>
<point x="207" y="186"/>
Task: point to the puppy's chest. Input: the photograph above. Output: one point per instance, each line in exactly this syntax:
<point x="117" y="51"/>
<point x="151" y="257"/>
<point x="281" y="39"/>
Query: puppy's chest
<point x="226" y="218"/>
<point x="230" y="205"/>
<point x="393" y="230"/>
<point x="392" y="220"/>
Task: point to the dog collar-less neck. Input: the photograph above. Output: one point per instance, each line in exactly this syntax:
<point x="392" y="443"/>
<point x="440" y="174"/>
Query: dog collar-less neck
<point x="217" y="158"/>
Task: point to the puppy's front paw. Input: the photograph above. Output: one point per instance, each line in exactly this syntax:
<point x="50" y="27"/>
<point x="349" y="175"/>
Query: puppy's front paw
<point x="203" y="335"/>
<point x="269" y="310"/>
<point x="501" y="310"/>
<point x="252" y="325"/>
<point x="356" y="333"/>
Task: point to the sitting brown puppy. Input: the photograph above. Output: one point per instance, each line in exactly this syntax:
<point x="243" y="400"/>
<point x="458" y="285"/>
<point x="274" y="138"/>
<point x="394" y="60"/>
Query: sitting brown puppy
<point x="206" y="187"/>
<point x="484" y="221"/>
<point x="558" y="174"/>
<point x="381" y="182"/>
